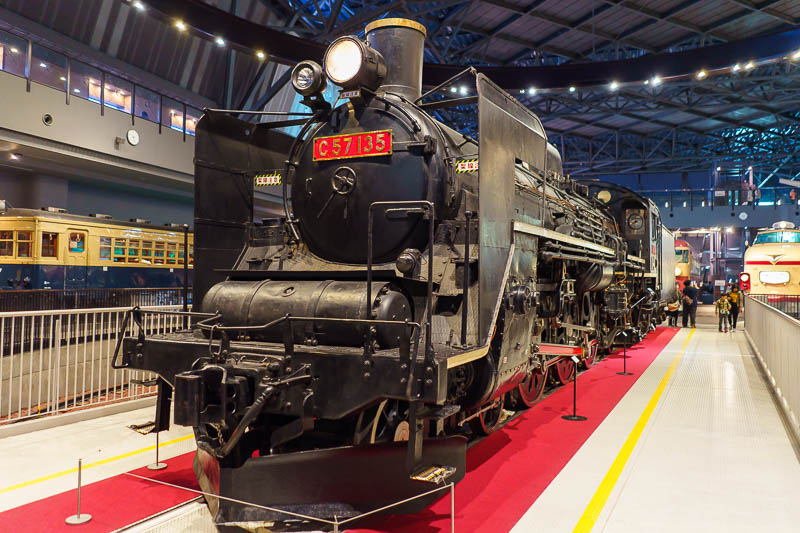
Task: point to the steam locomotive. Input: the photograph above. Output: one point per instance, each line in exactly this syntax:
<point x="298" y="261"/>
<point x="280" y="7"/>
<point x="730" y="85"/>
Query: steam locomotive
<point x="421" y="285"/>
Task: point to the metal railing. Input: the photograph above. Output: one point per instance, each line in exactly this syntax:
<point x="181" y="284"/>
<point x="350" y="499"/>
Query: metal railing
<point x="774" y="336"/>
<point x="721" y="197"/>
<point x="64" y="360"/>
<point x="785" y="303"/>
<point x="45" y="299"/>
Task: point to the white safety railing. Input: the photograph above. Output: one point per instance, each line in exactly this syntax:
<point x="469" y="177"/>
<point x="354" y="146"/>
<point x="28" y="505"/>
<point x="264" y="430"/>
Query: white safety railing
<point x="53" y="361"/>
<point x="775" y="336"/>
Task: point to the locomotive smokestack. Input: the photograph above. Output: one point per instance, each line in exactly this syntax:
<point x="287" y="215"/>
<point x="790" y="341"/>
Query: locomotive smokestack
<point x="402" y="44"/>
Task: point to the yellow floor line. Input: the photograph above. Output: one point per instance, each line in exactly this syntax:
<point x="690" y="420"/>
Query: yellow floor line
<point x="598" y="501"/>
<point x="92" y="465"/>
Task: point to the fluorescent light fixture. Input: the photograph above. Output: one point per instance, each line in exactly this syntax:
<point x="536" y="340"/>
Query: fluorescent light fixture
<point x="220" y="41"/>
<point x="181" y="25"/>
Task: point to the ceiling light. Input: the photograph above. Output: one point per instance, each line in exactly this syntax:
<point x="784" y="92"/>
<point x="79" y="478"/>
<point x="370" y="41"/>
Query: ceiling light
<point x="613" y="86"/>
<point x="656" y="80"/>
<point x="14" y="157"/>
<point x="702" y="74"/>
<point x="647" y="82"/>
<point x="220" y="41"/>
<point x="138" y="5"/>
<point x="62" y="78"/>
<point x="749" y="65"/>
<point x="43" y="64"/>
<point x="77" y="90"/>
<point x="737" y="67"/>
<point x="729" y="229"/>
<point x="181" y="25"/>
<point x="261" y="55"/>
<point x="463" y="90"/>
<point x="666" y="204"/>
<point x="532" y="91"/>
<point x="795" y="56"/>
<point x="453" y="89"/>
<point x="572" y="88"/>
<point x="719" y="168"/>
<point x="749" y="168"/>
<point x="14" y="50"/>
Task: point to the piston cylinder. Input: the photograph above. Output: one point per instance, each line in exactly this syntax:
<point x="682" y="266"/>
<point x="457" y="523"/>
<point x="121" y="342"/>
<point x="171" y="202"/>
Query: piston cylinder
<point x="253" y="303"/>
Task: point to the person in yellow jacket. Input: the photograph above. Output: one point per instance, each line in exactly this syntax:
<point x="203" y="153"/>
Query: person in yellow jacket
<point x="735" y="297"/>
<point x="723" y="310"/>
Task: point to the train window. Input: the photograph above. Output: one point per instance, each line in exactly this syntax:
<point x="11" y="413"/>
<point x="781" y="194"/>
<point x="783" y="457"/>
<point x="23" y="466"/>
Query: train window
<point x="159" y="256"/>
<point x="181" y="254"/>
<point x="171" y="253"/>
<point x="133" y="251"/>
<point x="24" y="243"/>
<point x="682" y="256"/>
<point x="147" y="251"/>
<point x="105" y="248"/>
<point x="77" y="243"/>
<point x="119" y="250"/>
<point x="6" y="243"/>
<point x="49" y="244"/>
<point x="191" y="255"/>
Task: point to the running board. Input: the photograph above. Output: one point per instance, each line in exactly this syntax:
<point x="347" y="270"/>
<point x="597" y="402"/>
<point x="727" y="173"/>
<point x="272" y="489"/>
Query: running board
<point x="558" y="349"/>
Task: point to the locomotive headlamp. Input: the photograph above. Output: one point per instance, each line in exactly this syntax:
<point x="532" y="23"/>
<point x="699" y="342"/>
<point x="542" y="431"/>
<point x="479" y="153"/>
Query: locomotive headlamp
<point x="352" y="63"/>
<point x="308" y="79"/>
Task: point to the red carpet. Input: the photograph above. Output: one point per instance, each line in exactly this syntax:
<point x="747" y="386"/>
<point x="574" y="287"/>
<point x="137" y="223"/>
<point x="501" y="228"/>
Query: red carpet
<point x="113" y="503"/>
<point x="507" y="471"/>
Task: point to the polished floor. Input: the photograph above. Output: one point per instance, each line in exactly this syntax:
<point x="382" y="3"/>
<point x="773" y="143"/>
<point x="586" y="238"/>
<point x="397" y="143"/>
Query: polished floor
<point x="712" y="455"/>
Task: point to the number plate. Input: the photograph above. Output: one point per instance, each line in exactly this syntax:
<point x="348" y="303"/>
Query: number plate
<point x="369" y="143"/>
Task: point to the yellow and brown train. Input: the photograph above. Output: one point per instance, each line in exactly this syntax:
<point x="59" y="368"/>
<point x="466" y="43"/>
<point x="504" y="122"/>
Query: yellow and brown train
<point x="772" y="263"/>
<point x="51" y="249"/>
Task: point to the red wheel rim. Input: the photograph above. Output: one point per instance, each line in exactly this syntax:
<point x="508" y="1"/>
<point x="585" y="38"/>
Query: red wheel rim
<point x="588" y="361"/>
<point x="564" y="370"/>
<point x="532" y="387"/>
<point x="488" y="421"/>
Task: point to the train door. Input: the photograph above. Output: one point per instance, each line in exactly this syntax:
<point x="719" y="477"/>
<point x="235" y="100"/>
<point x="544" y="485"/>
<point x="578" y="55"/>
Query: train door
<point x="77" y="262"/>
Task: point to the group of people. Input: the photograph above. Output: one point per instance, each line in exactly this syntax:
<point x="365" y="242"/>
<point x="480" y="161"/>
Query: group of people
<point x="726" y="307"/>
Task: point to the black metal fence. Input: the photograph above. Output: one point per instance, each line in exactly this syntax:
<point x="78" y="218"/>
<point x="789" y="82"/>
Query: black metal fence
<point x="46" y="299"/>
<point x="785" y="303"/>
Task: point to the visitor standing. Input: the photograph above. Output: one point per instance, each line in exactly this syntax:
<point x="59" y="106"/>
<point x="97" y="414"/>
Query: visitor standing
<point x="689" y="303"/>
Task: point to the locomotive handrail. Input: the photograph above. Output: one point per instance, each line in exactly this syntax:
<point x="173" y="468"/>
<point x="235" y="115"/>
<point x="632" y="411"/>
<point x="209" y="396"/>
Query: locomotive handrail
<point x="428" y="304"/>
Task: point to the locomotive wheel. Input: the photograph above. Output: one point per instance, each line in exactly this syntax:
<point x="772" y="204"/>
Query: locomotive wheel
<point x="565" y="370"/>
<point x="530" y="390"/>
<point x="382" y="423"/>
<point x="488" y="421"/>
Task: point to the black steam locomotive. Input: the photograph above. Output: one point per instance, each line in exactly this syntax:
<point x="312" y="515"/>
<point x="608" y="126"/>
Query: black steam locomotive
<point x="420" y="286"/>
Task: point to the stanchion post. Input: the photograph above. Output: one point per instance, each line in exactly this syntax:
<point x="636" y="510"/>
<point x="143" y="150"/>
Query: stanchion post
<point x="574" y="417"/>
<point x="452" y="508"/>
<point x="78" y="518"/>
<point x="157" y="465"/>
<point x="624" y="359"/>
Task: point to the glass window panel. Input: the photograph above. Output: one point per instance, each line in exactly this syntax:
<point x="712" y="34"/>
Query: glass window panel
<point x="13" y="53"/>
<point x="172" y="113"/>
<point x="146" y="104"/>
<point x="118" y="93"/>
<point x="77" y="242"/>
<point x="6" y="243"/>
<point x="49" y="68"/>
<point x="49" y="244"/>
<point x="192" y="118"/>
<point x="24" y="244"/>
<point x="84" y="81"/>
